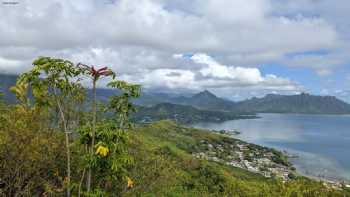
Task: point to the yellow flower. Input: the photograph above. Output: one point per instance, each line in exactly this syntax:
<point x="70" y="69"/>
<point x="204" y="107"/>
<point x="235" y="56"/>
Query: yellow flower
<point x="130" y="182"/>
<point x="101" y="150"/>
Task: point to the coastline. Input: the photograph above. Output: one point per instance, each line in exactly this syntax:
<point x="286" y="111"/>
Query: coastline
<point x="331" y="182"/>
<point x="301" y="135"/>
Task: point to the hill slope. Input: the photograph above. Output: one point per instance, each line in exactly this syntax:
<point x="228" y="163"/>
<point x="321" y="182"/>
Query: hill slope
<point x="166" y="165"/>
<point x="184" y="114"/>
<point x="6" y="81"/>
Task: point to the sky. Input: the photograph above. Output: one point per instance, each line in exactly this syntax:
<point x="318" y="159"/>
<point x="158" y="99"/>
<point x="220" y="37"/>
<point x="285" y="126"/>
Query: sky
<point x="235" y="48"/>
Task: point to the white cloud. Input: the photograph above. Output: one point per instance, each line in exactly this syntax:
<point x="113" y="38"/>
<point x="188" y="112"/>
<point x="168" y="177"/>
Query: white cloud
<point x="163" y="79"/>
<point x="7" y="64"/>
<point x="211" y="75"/>
<point x="216" y="26"/>
<point x="140" y="37"/>
<point x="216" y="70"/>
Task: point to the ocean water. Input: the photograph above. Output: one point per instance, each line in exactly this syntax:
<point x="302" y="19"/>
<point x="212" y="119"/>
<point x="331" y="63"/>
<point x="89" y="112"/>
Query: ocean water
<point x="321" y="142"/>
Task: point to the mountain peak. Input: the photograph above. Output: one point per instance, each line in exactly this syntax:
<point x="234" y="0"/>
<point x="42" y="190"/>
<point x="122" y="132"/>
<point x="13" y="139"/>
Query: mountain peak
<point x="205" y="94"/>
<point x="272" y="96"/>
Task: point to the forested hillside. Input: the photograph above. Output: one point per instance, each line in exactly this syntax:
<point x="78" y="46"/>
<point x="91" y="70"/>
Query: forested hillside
<point x="6" y="81"/>
<point x="207" y="101"/>
<point x="184" y="114"/>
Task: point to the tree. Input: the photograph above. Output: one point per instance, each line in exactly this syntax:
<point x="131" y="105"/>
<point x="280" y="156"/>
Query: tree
<point x="121" y="105"/>
<point x="95" y="75"/>
<point x="54" y="84"/>
<point x="108" y="140"/>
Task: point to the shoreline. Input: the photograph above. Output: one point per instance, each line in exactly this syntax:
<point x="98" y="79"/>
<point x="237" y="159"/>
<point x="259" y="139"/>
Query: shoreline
<point x="334" y="182"/>
<point x="322" y="178"/>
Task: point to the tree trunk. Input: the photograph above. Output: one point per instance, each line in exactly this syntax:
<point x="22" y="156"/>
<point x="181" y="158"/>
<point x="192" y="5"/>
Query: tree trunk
<point x="81" y="182"/>
<point x="91" y="151"/>
<point x="67" y="144"/>
<point x="68" y="162"/>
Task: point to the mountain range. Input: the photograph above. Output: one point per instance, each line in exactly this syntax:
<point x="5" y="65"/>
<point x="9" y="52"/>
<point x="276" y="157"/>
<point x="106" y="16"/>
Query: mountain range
<point x="301" y="103"/>
<point x="271" y="103"/>
<point x="207" y="101"/>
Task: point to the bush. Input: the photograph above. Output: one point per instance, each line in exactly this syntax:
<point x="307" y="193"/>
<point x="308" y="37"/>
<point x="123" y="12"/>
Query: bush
<point x="32" y="157"/>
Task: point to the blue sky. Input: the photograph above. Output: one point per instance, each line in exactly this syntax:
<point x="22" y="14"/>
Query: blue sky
<point x="234" y="48"/>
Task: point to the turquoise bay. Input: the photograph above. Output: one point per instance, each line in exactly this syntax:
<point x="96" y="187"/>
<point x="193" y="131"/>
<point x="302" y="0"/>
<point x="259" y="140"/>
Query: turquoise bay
<point x="322" y="142"/>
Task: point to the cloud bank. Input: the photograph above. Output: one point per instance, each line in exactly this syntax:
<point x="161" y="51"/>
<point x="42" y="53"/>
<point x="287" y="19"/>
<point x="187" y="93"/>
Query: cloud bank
<point x="211" y="75"/>
<point x="140" y="37"/>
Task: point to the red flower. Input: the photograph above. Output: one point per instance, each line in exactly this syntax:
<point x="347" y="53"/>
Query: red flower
<point x="96" y="73"/>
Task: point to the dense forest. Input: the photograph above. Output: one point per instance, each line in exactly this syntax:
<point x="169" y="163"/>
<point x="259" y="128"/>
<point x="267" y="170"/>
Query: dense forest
<point x="59" y="140"/>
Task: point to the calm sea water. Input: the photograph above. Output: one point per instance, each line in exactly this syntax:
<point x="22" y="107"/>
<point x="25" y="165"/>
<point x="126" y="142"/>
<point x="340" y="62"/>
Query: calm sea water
<point x="322" y="142"/>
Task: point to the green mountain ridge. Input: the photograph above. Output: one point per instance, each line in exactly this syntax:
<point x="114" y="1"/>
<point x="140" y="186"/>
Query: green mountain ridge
<point x="271" y="103"/>
<point x="184" y="114"/>
<point x="302" y="103"/>
<point x="207" y="101"/>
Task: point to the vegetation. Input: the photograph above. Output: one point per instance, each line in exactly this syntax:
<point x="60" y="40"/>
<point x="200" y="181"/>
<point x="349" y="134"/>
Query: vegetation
<point x="49" y="143"/>
<point x="95" y="75"/>
<point x="50" y="99"/>
<point x="57" y="89"/>
<point x="165" y="166"/>
<point x="6" y="81"/>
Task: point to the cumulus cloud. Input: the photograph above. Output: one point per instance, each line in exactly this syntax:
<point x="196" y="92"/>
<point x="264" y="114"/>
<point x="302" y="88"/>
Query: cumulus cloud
<point x="213" y="27"/>
<point x="211" y="75"/>
<point x="139" y="38"/>
<point x="216" y="70"/>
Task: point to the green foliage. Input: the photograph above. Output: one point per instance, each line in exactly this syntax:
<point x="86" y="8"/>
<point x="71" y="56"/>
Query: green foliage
<point x="54" y="85"/>
<point x="31" y="155"/>
<point x="112" y="162"/>
<point x="52" y="80"/>
<point x="3" y="110"/>
<point x="121" y="105"/>
<point x="96" y="193"/>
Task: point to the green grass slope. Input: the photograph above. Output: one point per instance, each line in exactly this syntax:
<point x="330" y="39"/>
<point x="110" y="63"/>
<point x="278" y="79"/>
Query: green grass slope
<point x="164" y="166"/>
